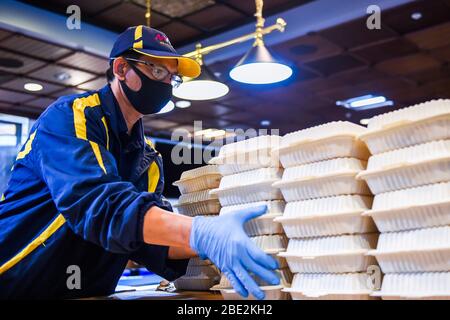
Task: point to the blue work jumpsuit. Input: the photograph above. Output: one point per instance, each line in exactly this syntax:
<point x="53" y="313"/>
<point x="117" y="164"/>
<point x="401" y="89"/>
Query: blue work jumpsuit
<point x="77" y="196"/>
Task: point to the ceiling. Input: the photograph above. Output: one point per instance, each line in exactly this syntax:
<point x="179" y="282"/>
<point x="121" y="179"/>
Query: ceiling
<point x="406" y="61"/>
<point x="184" y="21"/>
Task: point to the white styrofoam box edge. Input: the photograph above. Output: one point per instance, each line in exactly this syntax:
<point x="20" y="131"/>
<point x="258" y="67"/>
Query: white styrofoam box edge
<point x="210" y="207"/>
<point x="298" y="295"/>
<point x="284" y="274"/>
<point x="356" y="261"/>
<point x="327" y="186"/>
<point x="427" y="194"/>
<point x="323" y="168"/>
<point x="415" y="217"/>
<point x="250" y="177"/>
<point x="271" y="243"/>
<point x="411" y="240"/>
<point x="410" y="155"/>
<point x="336" y="224"/>
<point x="194" y="197"/>
<point x="324" y="149"/>
<point x="322" y="131"/>
<point x="357" y="283"/>
<point x="328" y="206"/>
<point x="432" y="129"/>
<point x="415" y="285"/>
<point x="413" y="113"/>
<point x="322" y="246"/>
<point x="408" y="176"/>
<point x="253" y="144"/>
<point x="273" y="207"/>
<point x="197" y="173"/>
<point x="271" y="292"/>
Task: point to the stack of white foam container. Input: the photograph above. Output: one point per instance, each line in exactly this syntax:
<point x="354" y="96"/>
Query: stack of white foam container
<point x="328" y="235"/>
<point x="249" y="169"/>
<point x="194" y="186"/>
<point x="409" y="173"/>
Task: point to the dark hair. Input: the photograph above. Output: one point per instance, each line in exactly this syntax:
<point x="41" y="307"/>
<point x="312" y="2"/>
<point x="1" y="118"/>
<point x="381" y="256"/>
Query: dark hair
<point x="127" y="54"/>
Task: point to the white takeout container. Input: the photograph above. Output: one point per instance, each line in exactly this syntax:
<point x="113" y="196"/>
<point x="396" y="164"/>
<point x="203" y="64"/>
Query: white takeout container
<point x="408" y="167"/>
<point x="324" y="286"/>
<point x="332" y="254"/>
<point x="415" y="286"/>
<point x="417" y="124"/>
<point x="414" y="250"/>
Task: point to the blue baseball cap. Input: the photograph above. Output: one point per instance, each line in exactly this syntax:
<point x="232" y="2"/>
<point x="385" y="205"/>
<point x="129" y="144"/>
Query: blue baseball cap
<point x="155" y="44"/>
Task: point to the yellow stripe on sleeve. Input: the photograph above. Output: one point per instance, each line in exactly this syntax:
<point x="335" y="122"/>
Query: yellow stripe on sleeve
<point x="79" y="106"/>
<point x="40" y="239"/>
<point x="153" y="177"/>
<point x="107" y="133"/>
<point x="27" y="148"/>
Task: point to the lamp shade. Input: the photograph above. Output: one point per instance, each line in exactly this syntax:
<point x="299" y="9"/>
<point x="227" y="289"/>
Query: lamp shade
<point x="167" y="108"/>
<point x="205" y="87"/>
<point x="258" y="66"/>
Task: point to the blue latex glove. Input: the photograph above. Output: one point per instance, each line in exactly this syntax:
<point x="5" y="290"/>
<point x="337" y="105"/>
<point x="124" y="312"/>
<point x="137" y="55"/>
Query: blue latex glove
<point x="223" y="240"/>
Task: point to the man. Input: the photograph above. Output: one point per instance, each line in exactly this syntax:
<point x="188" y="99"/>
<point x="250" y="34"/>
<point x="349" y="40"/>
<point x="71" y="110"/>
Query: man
<point x="86" y="187"/>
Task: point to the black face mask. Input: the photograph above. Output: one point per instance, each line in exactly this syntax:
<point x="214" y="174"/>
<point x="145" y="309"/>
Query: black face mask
<point x="151" y="97"/>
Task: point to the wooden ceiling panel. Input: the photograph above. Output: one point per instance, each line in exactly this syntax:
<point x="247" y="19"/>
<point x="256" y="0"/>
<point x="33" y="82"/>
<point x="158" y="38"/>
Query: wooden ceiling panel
<point x="88" y="7"/>
<point x="50" y="72"/>
<point x="180" y="116"/>
<point x="209" y="109"/>
<point x="408" y="64"/>
<point x="4" y="34"/>
<point x="248" y="6"/>
<point x="93" y="84"/>
<point x="35" y="48"/>
<point x="177" y="8"/>
<point x="241" y="116"/>
<point x="40" y="103"/>
<point x="126" y="15"/>
<point x="177" y="32"/>
<point x="430" y="75"/>
<point x="19" y="82"/>
<point x="214" y="123"/>
<point x="357" y="76"/>
<point x="433" y="12"/>
<point x="66" y="92"/>
<point x="431" y="38"/>
<point x="442" y="53"/>
<point x="316" y="85"/>
<point x="13" y="97"/>
<point x="307" y="48"/>
<point x="335" y="64"/>
<point x="389" y="49"/>
<point x="207" y="19"/>
<point x="355" y="33"/>
<point x="87" y="62"/>
<point x="28" y="64"/>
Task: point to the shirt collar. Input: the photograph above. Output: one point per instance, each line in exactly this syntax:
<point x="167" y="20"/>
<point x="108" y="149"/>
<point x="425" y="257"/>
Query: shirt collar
<point x="117" y="121"/>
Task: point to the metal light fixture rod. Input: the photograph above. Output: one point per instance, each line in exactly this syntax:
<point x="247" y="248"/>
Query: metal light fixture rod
<point x="280" y="25"/>
<point x="148" y="13"/>
<point x="259" y="23"/>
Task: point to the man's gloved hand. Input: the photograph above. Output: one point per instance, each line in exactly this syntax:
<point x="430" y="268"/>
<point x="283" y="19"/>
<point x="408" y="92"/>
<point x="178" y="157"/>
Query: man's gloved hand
<point x="223" y="240"/>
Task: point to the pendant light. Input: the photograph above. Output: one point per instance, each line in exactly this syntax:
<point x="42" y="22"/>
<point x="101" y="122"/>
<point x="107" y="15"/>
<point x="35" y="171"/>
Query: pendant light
<point x="258" y="66"/>
<point x="205" y="87"/>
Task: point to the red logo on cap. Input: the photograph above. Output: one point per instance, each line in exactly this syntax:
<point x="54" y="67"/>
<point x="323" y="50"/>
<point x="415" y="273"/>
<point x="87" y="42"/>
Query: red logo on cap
<point x="162" y="39"/>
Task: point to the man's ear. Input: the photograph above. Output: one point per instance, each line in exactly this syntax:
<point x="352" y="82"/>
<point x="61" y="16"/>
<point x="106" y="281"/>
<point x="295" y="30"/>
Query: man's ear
<point x="120" y="68"/>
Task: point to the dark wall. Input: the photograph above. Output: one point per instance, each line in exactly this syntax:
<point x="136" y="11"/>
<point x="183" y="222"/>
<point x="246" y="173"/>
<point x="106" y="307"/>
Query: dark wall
<point x="172" y="172"/>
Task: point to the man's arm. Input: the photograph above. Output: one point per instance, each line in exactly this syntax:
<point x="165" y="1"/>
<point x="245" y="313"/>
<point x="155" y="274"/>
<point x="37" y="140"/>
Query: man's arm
<point x="179" y="253"/>
<point x="166" y="228"/>
<point x="162" y="227"/>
